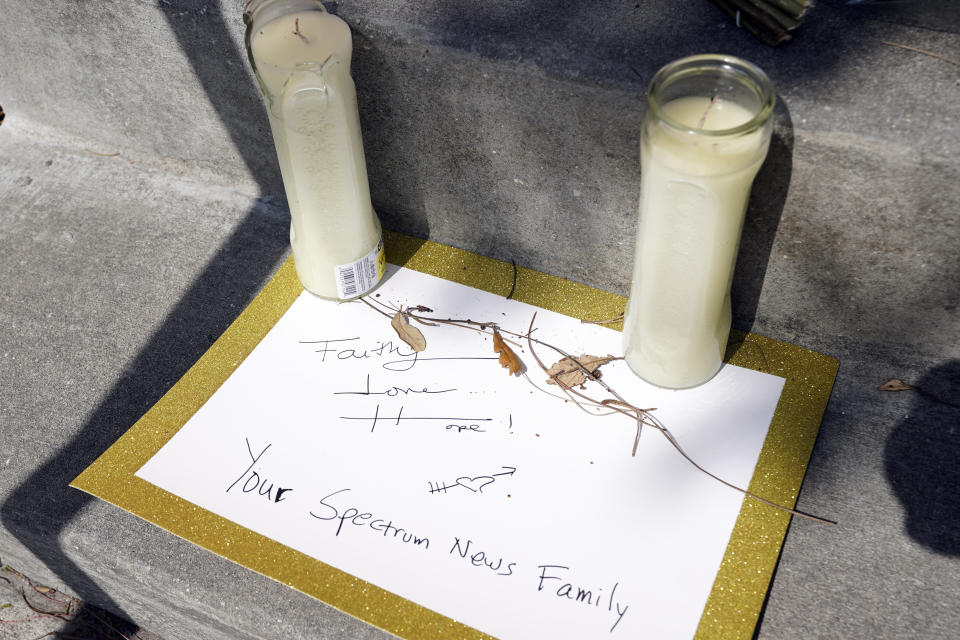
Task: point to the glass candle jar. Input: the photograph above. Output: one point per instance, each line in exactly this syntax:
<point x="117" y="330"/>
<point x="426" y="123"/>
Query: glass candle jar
<point x="301" y="57"/>
<point x="705" y="134"/>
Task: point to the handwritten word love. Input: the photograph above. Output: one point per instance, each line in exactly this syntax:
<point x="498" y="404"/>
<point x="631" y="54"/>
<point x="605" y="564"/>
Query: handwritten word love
<point x="391" y="392"/>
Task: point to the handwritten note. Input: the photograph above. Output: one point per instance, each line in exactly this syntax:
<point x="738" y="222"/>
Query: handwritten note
<point x="439" y="477"/>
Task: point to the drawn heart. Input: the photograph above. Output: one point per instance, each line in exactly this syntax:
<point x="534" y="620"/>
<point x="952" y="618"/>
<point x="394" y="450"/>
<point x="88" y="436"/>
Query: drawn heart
<point x="472" y="483"/>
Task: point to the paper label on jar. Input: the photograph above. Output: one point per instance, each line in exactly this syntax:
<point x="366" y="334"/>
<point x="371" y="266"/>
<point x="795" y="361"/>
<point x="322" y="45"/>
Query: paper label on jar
<point x="356" y="278"/>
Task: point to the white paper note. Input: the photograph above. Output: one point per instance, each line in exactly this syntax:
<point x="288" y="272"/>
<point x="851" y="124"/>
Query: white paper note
<point x="439" y="477"/>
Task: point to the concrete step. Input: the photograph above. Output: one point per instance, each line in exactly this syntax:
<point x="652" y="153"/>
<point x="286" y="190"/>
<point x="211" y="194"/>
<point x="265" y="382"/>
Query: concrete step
<point x="505" y="128"/>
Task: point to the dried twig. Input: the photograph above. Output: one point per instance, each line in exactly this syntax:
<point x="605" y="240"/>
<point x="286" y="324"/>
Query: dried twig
<point x="559" y="397"/>
<point x="638" y="414"/>
<point x="616" y="318"/>
<point x="107" y="623"/>
<point x="513" y="287"/>
<point x="746" y="342"/>
<point x="616" y="404"/>
<point x="924" y="52"/>
<point x="50" y="614"/>
<point x="645" y="417"/>
<point x="22" y="620"/>
<point x="102" y="155"/>
<point x="44" y="591"/>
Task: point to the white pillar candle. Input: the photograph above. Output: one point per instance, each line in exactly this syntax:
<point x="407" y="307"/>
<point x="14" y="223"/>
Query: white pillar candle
<point x="705" y="135"/>
<point x="301" y="56"/>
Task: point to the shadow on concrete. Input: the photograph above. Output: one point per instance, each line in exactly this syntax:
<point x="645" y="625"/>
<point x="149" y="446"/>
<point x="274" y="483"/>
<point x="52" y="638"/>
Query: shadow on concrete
<point x="767" y="199"/>
<point x="614" y="41"/>
<point x="90" y="624"/>
<point x="396" y="185"/>
<point x="935" y="15"/>
<point x="922" y="460"/>
<point x="38" y="511"/>
<point x="605" y="39"/>
<point x="766" y="598"/>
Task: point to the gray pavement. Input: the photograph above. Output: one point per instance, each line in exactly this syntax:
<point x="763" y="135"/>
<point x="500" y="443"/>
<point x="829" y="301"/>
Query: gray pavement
<point x="141" y="209"/>
<point x="31" y="610"/>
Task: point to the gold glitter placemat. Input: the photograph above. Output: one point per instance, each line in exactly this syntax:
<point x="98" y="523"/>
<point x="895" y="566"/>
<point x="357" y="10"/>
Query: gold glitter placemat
<point x="744" y="576"/>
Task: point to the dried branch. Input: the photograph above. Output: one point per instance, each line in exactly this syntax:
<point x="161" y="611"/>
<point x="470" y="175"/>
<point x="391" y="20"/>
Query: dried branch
<point x="49" y="614"/>
<point x="924" y="52"/>
<point x="107" y="623"/>
<point x="617" y="318"/>
<point x="763" y="355"/>
<point x="102" y="155"/>
<point x="22" y="620"/>
<point x="638" y="414"/>
<point x="616" y="404"/>
<point x="578" y="405"/>
<point x="645" y="417"/>
<point x="513" y="287"/>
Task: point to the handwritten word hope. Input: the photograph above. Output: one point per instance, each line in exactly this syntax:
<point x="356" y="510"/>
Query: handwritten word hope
<point x="454" y="424"/>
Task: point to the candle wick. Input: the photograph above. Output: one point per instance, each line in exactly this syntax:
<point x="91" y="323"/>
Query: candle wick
<point x="703" y="118"/>
<point x="296" y="31"/>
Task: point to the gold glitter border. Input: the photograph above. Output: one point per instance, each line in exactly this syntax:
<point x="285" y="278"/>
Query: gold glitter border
<point x="744" y="576"/>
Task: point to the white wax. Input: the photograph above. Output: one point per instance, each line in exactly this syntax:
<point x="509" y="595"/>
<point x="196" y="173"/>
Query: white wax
<point x="303" y="62"/>
<point x="694" y="190"/>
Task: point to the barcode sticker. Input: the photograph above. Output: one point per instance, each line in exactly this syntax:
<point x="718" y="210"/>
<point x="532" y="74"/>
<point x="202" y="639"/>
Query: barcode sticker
<point x="356" y="278"/>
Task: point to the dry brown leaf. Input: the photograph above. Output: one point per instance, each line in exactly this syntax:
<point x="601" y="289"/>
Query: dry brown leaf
<point x="566" y="373"/>
<point x="508" y="358"/>
<point x="894" y="384"/>
<point x="407" y="332"/>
